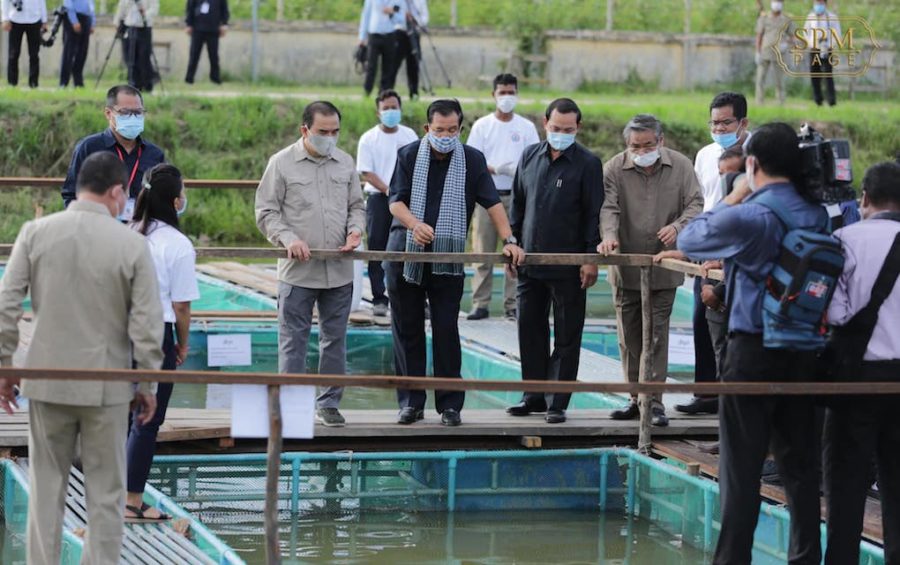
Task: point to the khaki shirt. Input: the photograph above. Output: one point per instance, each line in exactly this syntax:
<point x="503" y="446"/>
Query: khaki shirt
<point x="776" y="31"/>
<point x="95" y="299"/>
<point x="638" y="205"/>
<point x="315" y="200"/>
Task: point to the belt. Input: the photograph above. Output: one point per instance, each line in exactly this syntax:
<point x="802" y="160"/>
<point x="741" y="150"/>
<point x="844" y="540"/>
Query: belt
<point x="504" y="192"/>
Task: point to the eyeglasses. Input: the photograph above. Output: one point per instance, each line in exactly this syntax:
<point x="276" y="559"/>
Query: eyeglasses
<point x="721" y="123"/>
<point x="129" y="111"/>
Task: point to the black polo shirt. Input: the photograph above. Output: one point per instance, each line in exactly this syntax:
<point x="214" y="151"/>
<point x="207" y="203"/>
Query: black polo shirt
<point x="556" y="205"/>
<point x="480" y="188"/>
<point x="150" y="156"/>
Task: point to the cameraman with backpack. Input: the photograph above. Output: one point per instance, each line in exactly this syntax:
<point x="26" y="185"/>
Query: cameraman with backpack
<point x="746" y="229"/>
<point x="866" y="310"/>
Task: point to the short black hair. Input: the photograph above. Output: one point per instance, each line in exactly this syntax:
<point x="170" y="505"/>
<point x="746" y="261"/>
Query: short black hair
<point x="735" y="151"/>
<point x="320" y="107"/>
<point x="112" y="95"/>
<point x="445" y="107"/>
<point x="564" y="106"/>
<point x="505" y="79"/>
<point x="385" y="94"/>
<point x="882" y="184"/>
<point x="100" y="172"/>
<point x="775" y="147"/>
<point x="736" y="100"/>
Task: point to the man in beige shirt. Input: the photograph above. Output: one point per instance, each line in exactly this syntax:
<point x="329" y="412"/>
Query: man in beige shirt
<point x="774" y="31"/>
<point x="96" y="306"/>
<point x="651" y="193"/>
<point x="310" y="198"/>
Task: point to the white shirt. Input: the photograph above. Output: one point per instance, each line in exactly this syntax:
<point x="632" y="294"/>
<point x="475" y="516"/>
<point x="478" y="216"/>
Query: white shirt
<point x="377" y="153"/>
<point x="827" y="22"/>
<point x="174" y="258"/>
<point x="502" y="142"/>
<point x="33" y="11"/>
<point x="419" y="10"/>
<point x="706" y="166"/>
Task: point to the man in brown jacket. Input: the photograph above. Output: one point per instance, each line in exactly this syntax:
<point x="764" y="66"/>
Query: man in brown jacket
<point x="651" y="193"/>
<point x="96" y="306"/>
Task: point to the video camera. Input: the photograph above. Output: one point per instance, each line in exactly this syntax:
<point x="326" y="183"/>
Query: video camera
<point x="58" y="15"/>
<point x="826" y="166"/>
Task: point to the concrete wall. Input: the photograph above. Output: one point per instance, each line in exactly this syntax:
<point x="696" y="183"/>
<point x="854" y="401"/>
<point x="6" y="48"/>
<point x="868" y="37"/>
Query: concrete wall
<point x="320" y="53"/>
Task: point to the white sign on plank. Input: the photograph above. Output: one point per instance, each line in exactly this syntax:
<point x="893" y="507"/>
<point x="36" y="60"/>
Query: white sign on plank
<point x="228" y="350"/>
<point x="681" y="349"/>
<point x="250" y="411"/>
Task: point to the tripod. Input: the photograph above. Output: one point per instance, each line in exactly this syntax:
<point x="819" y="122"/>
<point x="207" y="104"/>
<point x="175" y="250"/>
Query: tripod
<point x="120" y="35"/>
<point x="415" y="32"/>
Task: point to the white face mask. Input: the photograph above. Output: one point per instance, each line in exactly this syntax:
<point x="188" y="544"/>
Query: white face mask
<point x="507" y="103"/>
<point x="777" y="6"/>
<point x="323" y="144"/>
<point x="646" y="159"/>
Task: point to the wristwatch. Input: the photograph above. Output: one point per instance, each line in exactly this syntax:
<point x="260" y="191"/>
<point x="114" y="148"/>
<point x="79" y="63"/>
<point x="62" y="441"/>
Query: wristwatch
<point x="511" y="240"/>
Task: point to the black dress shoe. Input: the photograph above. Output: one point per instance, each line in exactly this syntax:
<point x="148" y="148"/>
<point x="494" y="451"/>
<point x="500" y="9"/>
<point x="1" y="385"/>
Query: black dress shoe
<point x="478" y="314"/>
<point x="450" y="417"/>
<point x="699" y="406"/>
<point x="659" y="418"/>
<point x="410" y="415"/>
<point x="631" y="412"/>
<point x="555" y="416"/>
<point x="524" y="409"/>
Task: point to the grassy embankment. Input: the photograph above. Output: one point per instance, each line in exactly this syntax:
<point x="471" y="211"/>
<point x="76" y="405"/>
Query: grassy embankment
<point x="232" y="138"/>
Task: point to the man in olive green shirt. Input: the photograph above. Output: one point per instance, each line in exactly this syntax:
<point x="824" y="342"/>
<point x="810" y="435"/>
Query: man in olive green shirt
<point x="773" y="32"/>
<point x="651" y="193"/>
<point x="310" y="198"/>
<point x="96" y="306"/>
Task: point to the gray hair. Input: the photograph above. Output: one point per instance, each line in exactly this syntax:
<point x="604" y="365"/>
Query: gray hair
<point x="643" y="122"/>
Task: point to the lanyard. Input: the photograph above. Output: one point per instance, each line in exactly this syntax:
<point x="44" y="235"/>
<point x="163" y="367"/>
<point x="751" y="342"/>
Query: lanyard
<point x="134" y="169"/>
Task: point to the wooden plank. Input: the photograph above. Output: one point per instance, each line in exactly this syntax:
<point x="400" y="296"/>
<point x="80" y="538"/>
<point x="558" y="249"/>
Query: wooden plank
<point x="688" y="452"/>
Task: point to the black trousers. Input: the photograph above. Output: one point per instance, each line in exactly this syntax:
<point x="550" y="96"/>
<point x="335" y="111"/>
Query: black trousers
<point x="198" y="40"/>
<point x="378" y="226"/>
<point x="407" y="47"/>
<point x="444" y="293"/>
<point x="381" y="46"/>
<point x="32" y="33"/>
<point x="139" y="46"/>
<point x="750" y="426"/>
<point x="858" y="430"/>
<point x="75" y="51"/>
<point x="704" y="354"/>
<point x="568" y="299"/>
<point x="822" y="65"/>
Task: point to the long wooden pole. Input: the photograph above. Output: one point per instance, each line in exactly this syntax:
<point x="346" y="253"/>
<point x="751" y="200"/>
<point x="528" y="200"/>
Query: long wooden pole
<point x="646" y="368"/>
<point x="273" y="472"/>
<point x="432" y="383"/>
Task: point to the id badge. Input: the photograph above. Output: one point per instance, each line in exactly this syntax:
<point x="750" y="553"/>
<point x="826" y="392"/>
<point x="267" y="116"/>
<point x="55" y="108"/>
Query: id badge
<point x="204" y="8"/>
<point x="128" y="212"/>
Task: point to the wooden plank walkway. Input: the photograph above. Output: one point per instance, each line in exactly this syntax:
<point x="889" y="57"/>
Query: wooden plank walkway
<point x="688" y="451"/>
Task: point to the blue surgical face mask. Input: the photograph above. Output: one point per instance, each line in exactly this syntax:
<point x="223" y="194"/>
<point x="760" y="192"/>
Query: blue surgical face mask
<point x="725" y="140"/>
<point x="390" y="118"/>
<point x="819" y="8"/>
<point x="183" y="209"/>
<point x="129" y="127"/>
<point x="560" y="141"/>
<point x="443" y="144"/>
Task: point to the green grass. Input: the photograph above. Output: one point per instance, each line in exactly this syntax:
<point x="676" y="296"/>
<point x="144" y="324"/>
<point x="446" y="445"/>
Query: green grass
<point x="736" y="17"/>
<point x="233" y="137"/>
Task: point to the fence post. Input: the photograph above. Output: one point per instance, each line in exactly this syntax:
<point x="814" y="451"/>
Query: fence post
<point x="687" y="16"/>
<point x="273" y="470"/>
<point x="610" y="12"/>
<point x="454" y="14"/>
<point x="646" y="366"/>
<point x="279" y="11"/>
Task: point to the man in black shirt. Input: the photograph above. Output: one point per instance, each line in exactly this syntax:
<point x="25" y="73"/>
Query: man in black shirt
<point x="436" y="184"/>
<point x="125" y="113"/>
<point x="207" y="21"/>
<point x="557" y="195"/>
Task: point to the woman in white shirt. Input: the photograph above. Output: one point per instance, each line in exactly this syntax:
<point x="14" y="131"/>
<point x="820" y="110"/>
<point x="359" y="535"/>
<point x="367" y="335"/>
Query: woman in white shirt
<point x="159" y="204"/>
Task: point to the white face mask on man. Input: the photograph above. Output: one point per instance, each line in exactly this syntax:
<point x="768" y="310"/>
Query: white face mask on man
<point x="645" y="159"/>
<point x="777" y="6"/>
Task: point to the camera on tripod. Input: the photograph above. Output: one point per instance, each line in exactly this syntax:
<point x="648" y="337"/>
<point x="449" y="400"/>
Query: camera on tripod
<point x="58" y="15"/>
<point x="826" y="166"/>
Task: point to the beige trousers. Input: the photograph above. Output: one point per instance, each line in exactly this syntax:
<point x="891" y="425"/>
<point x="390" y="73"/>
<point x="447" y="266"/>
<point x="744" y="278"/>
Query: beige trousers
<point x="54" y="431"/>
<point x="484" y="240"/>
<point x="762" y="70"/>
<point x="630" y="329"/>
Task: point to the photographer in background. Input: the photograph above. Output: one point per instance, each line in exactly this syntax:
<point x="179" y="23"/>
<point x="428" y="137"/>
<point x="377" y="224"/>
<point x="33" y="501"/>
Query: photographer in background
<point x="377" y="23"/>
<point x="137" y="15"/>
<point x="28" y="18"/>
<point x="207" y="21"/>
<point x="78" y="25"/>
